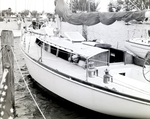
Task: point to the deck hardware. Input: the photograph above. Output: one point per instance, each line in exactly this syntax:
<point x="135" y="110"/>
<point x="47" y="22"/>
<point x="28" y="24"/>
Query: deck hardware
<point x="91" y="70"/>
<point x="107" y="77"/>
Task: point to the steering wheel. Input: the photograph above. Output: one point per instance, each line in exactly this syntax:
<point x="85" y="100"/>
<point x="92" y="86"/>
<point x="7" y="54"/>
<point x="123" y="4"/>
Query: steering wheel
<point x="146" y="67"/>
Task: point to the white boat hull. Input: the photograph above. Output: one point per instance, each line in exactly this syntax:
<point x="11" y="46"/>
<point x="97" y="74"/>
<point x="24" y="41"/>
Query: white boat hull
<point x="93" y="98"/>
<point x="137" y="49"/>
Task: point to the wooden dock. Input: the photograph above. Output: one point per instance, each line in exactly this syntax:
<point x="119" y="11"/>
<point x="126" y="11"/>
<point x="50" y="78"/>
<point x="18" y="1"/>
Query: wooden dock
<point x="17" y="33"/>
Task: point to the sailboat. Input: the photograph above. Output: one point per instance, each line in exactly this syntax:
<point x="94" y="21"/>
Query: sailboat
<point x="139" y="46"/>
<point x="109" y="81"/>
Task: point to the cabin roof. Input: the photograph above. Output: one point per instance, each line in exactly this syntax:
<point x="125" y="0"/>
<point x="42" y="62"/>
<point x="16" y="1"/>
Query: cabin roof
<point x="77" y="48"/>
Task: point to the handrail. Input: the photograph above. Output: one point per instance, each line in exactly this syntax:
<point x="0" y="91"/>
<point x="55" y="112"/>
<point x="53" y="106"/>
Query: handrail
<point x="42" y="34"/>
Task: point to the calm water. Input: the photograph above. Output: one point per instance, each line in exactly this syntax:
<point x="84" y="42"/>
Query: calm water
<point x="51" y="105"/>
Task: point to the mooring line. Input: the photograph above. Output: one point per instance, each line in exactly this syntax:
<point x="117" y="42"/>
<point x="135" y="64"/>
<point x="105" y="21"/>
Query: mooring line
<point x="11" y="66"/>
<point x="27" y="85"/>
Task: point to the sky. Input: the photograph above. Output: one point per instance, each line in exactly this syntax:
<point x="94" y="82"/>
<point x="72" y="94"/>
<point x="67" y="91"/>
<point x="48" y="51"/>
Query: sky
<point x="39" y="5"/>
<point x="20" y="5"/>
<point x="103" y="7"/>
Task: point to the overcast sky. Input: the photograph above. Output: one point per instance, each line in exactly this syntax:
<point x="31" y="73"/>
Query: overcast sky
<point x="39" y="5"/>
<point x="19" y="5"/>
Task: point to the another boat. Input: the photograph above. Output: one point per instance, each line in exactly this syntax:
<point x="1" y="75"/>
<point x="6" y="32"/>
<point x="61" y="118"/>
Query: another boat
<point x="139" y="46"/>
<point x="105" y="80"/>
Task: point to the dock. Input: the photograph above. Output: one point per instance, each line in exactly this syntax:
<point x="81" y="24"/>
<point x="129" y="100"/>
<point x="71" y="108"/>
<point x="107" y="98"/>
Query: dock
<point x="9" y="74"/>
<point x="10" y="26"/>
<point x="7" y="100"/>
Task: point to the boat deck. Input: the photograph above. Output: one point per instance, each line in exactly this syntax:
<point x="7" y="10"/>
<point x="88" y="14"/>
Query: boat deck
<point x="123" y="84"/>
<point x="62" y="65"/>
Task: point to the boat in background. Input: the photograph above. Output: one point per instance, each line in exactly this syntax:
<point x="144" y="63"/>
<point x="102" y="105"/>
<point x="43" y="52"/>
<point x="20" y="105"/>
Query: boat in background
<point x="139" y="46"/>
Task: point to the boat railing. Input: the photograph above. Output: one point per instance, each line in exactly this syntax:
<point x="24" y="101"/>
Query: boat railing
<point x="139" y="34"/>
<point x="37" y="33"/>
<point x="55" y="45"/>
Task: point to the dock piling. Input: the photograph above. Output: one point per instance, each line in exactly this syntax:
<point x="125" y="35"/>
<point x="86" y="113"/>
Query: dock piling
<point x="7" y="43"/>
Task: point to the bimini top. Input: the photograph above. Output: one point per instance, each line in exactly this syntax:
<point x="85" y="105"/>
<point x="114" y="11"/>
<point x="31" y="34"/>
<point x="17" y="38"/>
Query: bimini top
<point x="79" y="48"/>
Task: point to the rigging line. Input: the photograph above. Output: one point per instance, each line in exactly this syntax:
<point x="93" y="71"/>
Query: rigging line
<point x="11" y="66"/>
<point x="5" y="72"/>
<point x="12" y="77"/>
<point x="27" y="85"/>
<point x="1" y="51"/>
<point x="4" y="54"/>
<point x="134" y="5"/>
<point x="1" y="55"/>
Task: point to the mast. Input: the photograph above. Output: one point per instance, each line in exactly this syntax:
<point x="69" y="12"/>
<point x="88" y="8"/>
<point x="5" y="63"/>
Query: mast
<point x="58" y="23"/>
<point x="16" y="6"/>
<point x="0" y="5"/>
<point x="84" y="27"/>
<point x="43" y="6"/>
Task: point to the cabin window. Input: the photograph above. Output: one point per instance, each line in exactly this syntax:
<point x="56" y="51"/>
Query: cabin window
<point x="123" y="74"/>
<point x="53" y="50"/>
<point x="46" y="46"/>
<point x="149" y="33"/>
<point x="38" y="42"/>
<point x="63" y="54"/>
<point x="100" y="59"/>
<point x="116" y="55"/>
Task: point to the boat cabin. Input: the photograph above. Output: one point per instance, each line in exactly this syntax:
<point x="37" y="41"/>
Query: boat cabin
<point x="76" y="53"/>
<point x="81" y="52"/>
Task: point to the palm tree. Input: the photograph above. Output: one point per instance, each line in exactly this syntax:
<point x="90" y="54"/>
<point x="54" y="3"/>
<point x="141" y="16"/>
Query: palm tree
<point x="34" y="13"/>
<point x="134" y="4"/>
<point x="83" y="6"/>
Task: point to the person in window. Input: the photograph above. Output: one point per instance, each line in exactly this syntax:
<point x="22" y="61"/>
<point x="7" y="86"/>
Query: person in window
<point x="74" y="58"/>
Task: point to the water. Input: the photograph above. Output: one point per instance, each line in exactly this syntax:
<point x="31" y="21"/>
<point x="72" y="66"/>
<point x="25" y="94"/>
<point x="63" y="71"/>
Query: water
<point x="52" y="105"/>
